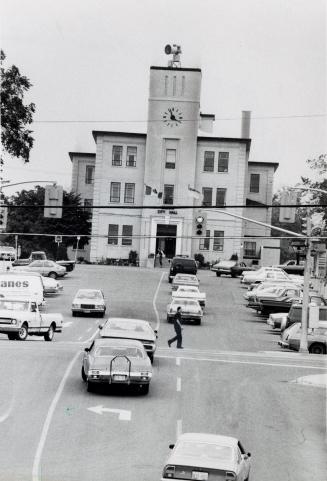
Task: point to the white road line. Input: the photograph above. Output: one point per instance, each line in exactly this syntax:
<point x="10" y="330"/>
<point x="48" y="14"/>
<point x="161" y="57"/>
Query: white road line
<point x="46" y="426"/>
<point x="154" y="302"/>
<point x="178" y="384"/>
<point x="178" y="361"/>
<point x="178" y="428"/>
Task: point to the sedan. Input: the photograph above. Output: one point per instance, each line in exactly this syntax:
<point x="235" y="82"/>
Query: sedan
<point x="122" y="328"/>
<point x="317" y="338"/>
<point x="89" y="301"/>
<point x="116" y="361"/>
<point x="184" y="280"/>
<point x="190" y="292"/>
<point x="51" y="286"/>
<point x="203" y="457"/>
<point x="191" y="310"/>
<point x="46" y="268"/>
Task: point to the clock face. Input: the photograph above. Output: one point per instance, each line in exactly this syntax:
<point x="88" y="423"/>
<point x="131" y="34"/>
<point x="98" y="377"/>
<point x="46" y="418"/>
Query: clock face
<point x="172" y="117"/>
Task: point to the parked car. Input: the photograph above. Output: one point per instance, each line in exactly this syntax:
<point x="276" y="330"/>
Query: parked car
<point x="118" y="362"/>
<point x="264" y="274"/>
<point x="123" y="328"/>
<point x="190" y="292"/>
<point x="317" y="338"/>
<point x="278" y="299"/>
<point x="200" y="456"/>
<point x="45" y="268"/>
<point x="41" y="256"/>
<point x="291" y="267"/>
<point x="257" y="289"/>
<point x="280" y="320"/>
<point x="184" y="280"/>
<point x="89" y="301"/>
<point x="191" y="310"/>
<point x="184" y="265"/>
<point x="232" y="268"/>
<point x="295" y="312"/>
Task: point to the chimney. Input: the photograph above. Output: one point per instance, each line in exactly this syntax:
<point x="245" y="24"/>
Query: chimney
<point x="206" y="122"/>
<point x="246" y="121"/>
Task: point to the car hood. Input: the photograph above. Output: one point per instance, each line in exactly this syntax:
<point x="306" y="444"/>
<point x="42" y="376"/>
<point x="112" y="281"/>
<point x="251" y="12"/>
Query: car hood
<point x="176" y="459"/>
<point x="118" y="333"/>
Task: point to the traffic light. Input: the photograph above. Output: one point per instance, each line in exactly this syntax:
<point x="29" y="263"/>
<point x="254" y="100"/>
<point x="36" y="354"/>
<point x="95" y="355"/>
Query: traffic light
<point x="305" y="226"/>
<point x="3" y="218"/>
<point x="53" y="197"/>
<point x="200" y="223"/>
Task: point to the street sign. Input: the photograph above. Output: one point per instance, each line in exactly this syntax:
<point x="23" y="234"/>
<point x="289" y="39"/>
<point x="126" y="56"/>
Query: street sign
<point x="58" y="239"/>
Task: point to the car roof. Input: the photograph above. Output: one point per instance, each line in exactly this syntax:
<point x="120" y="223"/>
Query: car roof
<point x="112" y="342"/>
<point x="208" y="438"/>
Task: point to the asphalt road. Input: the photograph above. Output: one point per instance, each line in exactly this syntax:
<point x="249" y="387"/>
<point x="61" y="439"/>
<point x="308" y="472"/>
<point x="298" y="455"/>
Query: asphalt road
<point x="231" y="378"/>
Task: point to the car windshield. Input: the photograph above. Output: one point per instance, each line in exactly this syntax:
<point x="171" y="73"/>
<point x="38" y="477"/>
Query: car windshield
<point x="185" y="302"/>
<point x="184" y="262"/>
<point x="204" y="451"/>
<point x="113" y="351"/>
<point x="14" y="305"/>
<point x="89" y="294"/>
<point x="128" y="326"/>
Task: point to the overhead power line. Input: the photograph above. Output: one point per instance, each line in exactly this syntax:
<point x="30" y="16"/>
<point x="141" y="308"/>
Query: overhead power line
<point x="160" y="207"/>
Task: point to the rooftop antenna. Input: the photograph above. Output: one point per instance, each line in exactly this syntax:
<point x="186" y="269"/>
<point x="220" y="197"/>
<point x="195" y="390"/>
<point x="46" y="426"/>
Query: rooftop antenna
<point x="175" y="51"/>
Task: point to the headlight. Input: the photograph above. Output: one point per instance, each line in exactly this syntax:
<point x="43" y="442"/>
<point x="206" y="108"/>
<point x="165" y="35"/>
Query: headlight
<point x="13" y="321"/>
<point x="169" y="472"/>
<point x="76" y="306"/>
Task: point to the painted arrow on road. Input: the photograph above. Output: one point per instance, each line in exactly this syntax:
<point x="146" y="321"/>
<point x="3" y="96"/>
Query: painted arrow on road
<point x="123" y="415"/>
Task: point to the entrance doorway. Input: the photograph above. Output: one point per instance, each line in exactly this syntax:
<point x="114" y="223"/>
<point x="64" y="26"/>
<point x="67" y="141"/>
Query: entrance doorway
<point x="166" y="244"/>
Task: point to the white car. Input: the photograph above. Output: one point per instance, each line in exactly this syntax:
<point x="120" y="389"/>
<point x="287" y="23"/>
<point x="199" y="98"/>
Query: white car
<point x="202" y="457"/>
<point x="265" y="274"/>
<point x="89" y="301"/>
<point x="190" y="309"/>
<point x="51" y="286"/>
<point x="184" y="280"/>
<point x="256" y="289"/>
<point x="190" y="292"/>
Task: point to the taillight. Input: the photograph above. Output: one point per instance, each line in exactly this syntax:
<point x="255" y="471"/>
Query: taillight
<point x="169" y="472"/>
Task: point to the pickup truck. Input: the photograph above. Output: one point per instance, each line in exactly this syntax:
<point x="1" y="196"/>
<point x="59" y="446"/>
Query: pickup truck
<point x="41" y="255"/>
<point x="20" y="318"/>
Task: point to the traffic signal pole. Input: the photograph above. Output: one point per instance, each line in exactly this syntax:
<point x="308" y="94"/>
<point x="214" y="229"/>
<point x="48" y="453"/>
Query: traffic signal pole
<point x="306" y="286"/>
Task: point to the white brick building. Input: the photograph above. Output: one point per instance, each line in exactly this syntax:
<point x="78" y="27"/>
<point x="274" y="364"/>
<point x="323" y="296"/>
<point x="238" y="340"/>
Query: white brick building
<point x="177" y="153"/>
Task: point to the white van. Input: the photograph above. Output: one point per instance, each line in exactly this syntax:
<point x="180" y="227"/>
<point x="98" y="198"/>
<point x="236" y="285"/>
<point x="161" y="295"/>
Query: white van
<point x="22" y="284"/>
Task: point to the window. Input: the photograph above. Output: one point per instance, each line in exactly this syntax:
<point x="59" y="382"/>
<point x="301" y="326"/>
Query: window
<point x="127" y="235"/>
<point x="254" y="183"/>
<point x="170" y="158"/>
<point x="223" y="158"/>
<point x="115" y="192"/>
<point x="204" y="244"/>
<point x="220" y="197"/>
<point x="87" y="204"/>
<point x="89" y="174"/>
<point x="209" y="161"/>
<point x="131" y="156"/>
<point x="129" y="193"/>
<point x="117" y="154"/>
<point x="207" y="196"/>
<point x="250" y="249"/>
<point x="168" y="194"/>
<point x="113" y="234"/>
<point x="218" y="240"/>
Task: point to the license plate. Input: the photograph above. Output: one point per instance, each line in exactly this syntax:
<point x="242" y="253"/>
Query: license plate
<point x="199" y="475"/>
<point x="86" y="311"/>
<point x="119" y="378"/>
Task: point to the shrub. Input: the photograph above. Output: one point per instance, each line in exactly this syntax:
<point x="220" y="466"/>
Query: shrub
<point x="200" y="259"/>
<point x="132" y="257"/>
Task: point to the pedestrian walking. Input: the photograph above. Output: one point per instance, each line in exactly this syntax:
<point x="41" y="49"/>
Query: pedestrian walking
<point x="160" y="254"/>
<point x="178" y="329"/>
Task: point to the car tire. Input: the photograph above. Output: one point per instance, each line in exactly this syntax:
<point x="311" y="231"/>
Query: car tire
<point x="53" y="275"/>
<point x="12" y="336"/>
<point x="197" y="322"/>
<point x="151" y="358"/>
<point x="218" y="274"/>
<point x="22" y="333"/>
<point x="233" y="275"/>
<point x="145" y="389"/>
<point x="170" y="280"/>
<point x="48" y="336"/>
<point x="90" y="386"/>
<point x="74" y="313"/>
<point x="83" y="374"/>
<point x="317" y="348"/>
<point x="101" y="314"/>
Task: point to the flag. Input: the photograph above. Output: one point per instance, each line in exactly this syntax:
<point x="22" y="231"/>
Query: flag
<point x="194" y="193"/>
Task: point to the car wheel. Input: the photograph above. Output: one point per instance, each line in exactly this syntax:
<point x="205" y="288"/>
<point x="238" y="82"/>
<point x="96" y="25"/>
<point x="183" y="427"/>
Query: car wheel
<point x="233" y="275"/>
<point x="317" y="349"/>
<point x="48" y="336"/>
<point x="22" y="333"/>
<point x="101" y="314"/>
<point x="218" y="274"/>
<point x="170" y="280"/>
<point x="151" y="358"/>
<point x="53" y="275"/>
<point x="12" y="336"/>
<point x="145" y="389"/>
<point x="197" y="322"/>
<point x="74" y="313"/>
<point x="83" y="374"/>
<point x="90" y="386"/>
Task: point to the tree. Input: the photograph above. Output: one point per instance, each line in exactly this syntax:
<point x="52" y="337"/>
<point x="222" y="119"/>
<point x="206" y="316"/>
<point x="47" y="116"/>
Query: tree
<point x="319" y="165"/>
<point x="15" y="115"/>
<point x="75" y="220"/>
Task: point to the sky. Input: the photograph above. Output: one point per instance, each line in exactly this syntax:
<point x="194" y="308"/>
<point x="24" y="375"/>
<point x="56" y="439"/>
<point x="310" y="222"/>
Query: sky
<point x="89" y="63"/>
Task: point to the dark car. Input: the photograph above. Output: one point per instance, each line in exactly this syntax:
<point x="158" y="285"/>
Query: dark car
<point x="232" y="268"/>
<point x="182" y="265"/>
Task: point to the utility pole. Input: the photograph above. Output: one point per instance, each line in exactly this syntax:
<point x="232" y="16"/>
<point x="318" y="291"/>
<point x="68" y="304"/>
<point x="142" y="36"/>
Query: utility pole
<point x="306" y="285"/>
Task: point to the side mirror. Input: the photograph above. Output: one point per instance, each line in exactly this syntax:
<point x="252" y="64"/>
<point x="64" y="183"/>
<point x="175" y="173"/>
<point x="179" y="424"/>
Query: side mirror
<point x="171" y="446"/>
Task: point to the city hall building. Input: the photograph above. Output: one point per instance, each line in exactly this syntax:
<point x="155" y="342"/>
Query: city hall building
<point x="144" y="177"/>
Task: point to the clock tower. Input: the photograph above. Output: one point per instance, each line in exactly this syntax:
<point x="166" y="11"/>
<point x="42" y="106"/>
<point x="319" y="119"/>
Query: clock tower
<point x="171" y="147"/>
